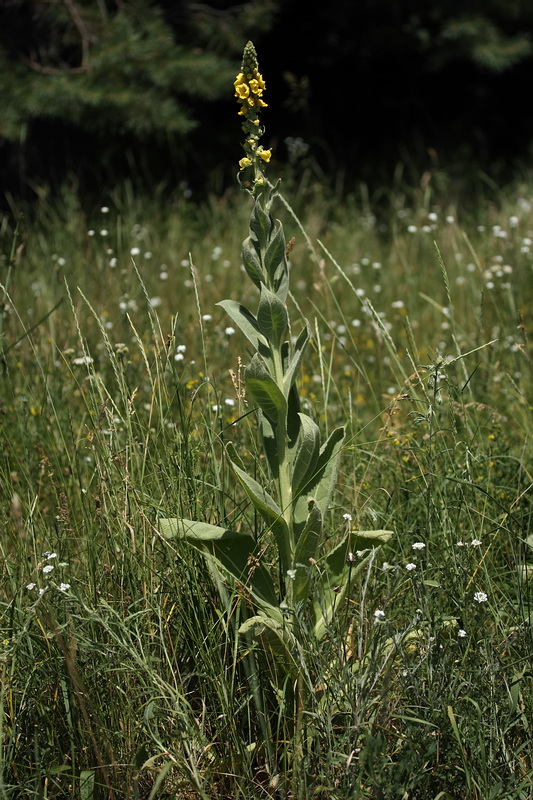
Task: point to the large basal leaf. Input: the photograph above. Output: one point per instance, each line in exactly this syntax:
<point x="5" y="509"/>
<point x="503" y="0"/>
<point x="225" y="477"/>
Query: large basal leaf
<point x="304" y="454"/>
<point x="275" y="252"/>
<point x="272" y="317"/>
<point x="295" y="359"/>
<point x="336" y="573"/>
<point x="252" y="262"/>
<point x="265" y="392"/>
<point x="270" y="512"/>
<point x="232" y="553"/>
<point x="274" y="633"/>
<point x="246" y="321"/>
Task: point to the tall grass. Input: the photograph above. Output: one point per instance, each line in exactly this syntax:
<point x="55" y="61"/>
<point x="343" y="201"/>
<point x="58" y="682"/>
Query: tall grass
<point x="122" y="675"/>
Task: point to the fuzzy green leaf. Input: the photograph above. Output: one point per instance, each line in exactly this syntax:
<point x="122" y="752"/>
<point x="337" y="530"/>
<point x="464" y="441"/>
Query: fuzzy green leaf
<point x="269" y="510"/>
<point x="336" y="573"/>
<point x="248" y="325"/>
<point x="306" y="549"/>
<point x="269" y="443"/>
<point x="295" y="359"/>
<point x="252" y="262"/>
<point x="272" y="317"/>
<point x="320" y="484"/>
<point x="275" y="634"/>
<point x="233" y="554"/>
<point x="275" y="258"/>
<point x="265" y="392"/>
<point x="305" y="454"/>
<point x="260" y="224"/>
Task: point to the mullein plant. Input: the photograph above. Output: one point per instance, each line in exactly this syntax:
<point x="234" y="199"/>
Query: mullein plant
<point x="287" y="607"/>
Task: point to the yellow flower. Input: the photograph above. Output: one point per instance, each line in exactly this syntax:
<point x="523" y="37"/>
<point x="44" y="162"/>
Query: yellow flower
<point x="242" y="91"/>
<point x="266" y="155"/>
<point x="255" y="87"/>
<point x="244" y="162"/>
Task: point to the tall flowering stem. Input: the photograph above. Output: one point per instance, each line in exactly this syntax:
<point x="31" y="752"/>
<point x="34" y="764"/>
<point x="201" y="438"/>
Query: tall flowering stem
<point x="283" y="609"/>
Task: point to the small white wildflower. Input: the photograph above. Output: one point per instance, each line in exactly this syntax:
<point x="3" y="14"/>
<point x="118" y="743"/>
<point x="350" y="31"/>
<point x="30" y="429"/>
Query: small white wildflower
<point x="460" y="544"/>
<point x="41" y="592"/>
<point x="207" y="317"/>
<point x="480" y="597"/>
<point x="148" y="255"/>
<point x="64" y="587"/>
<point x="291" y="573"/>
<point x="476" y="542"/>
<point x="104" y="232"/>
<point x="347" y="517"/>
<point x="90" y="233"/>
<point x="461" y="633"/>
<point x="48" y="568"/>
<point x="450" y="219"/>
<point x="418" y="546"/>
<point x="104" y="210"/>
<point x="134" y="251"/>
<point x="30" y="586"/>
<point x="229" y="331"/>
<point x="229" y="401"/>
<point x="410" y="567"/>
<point x="179" y="357"/>
<point x="82" y="361"/>
<point x="49" y="556"/>
<point x="412" y="229"/>
<point x="181" y="348"/>
<point x="163" y="276"/>
<point x="155" y="302"/>
<point x="432" y="216"/>
<point x="379" y="614"/>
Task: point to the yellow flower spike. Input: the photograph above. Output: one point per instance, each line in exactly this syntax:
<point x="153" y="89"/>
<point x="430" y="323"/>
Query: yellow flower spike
<point x="249" y="87"/>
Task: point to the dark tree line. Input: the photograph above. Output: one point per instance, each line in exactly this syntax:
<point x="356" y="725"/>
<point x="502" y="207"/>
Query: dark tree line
<point x="108" y="88"/>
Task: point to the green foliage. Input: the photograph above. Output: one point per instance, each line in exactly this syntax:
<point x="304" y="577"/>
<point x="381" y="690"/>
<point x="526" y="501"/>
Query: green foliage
<point x="114" y="69"/>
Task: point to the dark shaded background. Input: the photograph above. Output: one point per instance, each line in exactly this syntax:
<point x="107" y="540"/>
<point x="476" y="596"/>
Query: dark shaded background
<point x="366" y="85"/>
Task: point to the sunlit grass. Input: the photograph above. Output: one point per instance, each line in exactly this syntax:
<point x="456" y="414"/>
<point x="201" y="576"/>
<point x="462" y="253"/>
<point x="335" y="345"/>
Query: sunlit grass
<point x="121" y="673"/>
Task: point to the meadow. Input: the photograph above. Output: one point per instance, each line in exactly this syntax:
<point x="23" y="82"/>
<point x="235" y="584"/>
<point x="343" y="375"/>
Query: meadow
<point x="122" y="385"/>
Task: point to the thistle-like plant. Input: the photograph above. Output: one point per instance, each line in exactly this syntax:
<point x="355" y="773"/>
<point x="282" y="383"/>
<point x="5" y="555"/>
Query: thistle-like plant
<point x="308" y="587"/>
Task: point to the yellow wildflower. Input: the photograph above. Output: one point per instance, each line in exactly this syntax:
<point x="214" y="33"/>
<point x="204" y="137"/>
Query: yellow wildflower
<point x="266" y="155"/>
<point x="242" y="91"/>
<point x="255" y="87"/>
<point x="245" y="162"/>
